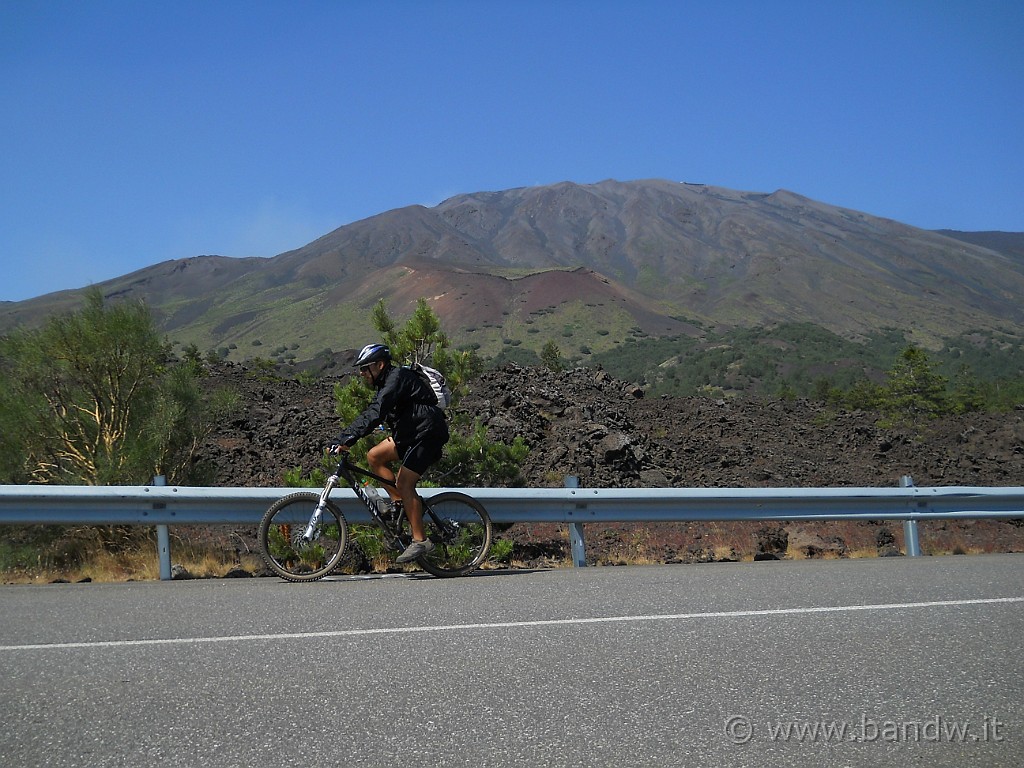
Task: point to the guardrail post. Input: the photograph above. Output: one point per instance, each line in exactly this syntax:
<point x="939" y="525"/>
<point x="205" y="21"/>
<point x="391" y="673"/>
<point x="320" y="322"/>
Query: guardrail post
<point x="910" y="526"/>
<point x="576" y="546"/>
<point x="163" y="540"/>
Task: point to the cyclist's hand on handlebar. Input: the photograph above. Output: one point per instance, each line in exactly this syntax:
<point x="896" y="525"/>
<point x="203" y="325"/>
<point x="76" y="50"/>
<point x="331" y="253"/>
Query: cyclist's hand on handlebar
<point x="336" y="448"/>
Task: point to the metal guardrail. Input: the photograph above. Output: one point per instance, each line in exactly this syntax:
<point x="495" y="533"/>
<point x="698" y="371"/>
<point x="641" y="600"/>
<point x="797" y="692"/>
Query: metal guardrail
<point x="180" y="505"/>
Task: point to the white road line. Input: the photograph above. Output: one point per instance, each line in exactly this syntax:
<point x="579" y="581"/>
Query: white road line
<point x="512" y="624"/>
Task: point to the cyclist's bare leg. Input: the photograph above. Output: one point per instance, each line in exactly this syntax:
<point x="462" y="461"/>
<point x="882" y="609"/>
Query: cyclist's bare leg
<point x="407" y="480"/>
<point x="379" y="459"/>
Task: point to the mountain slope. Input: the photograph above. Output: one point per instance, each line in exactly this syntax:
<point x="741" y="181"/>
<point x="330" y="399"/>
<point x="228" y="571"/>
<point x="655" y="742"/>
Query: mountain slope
<point x="745" y="259"/>
<point x="588" y="266"/>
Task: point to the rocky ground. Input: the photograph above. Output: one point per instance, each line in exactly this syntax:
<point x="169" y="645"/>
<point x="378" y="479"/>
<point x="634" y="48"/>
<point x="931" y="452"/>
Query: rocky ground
<point x="607" y="433"/>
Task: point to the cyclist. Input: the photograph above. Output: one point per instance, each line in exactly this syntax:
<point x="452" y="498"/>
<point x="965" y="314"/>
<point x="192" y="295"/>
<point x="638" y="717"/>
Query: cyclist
<point x="419" y="431"/>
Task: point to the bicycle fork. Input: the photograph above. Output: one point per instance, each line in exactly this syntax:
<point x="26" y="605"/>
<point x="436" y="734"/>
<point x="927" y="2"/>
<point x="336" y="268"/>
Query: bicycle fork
<point x="313" y="527"/>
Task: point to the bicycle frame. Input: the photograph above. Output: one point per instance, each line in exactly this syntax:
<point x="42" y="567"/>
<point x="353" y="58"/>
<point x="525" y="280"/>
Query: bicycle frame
<point x="349" y="471"/>
<point x="346" y="471"/>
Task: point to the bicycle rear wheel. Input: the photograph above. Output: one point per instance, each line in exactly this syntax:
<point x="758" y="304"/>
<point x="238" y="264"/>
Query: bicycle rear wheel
<point x="287" y="552"/>
<point x="461" y="534"/>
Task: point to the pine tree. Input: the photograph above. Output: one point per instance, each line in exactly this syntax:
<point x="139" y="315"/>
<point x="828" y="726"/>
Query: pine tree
<point x="551" y="357"/>
<point x="914" y="390"/>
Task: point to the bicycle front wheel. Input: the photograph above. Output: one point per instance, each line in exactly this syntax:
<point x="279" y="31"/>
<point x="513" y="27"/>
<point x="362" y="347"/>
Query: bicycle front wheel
<point x="284" y="546"/>
<point x="461" y="531"/>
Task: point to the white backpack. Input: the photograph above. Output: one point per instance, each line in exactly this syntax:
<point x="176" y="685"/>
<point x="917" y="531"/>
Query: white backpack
<point x="437" y="383"/>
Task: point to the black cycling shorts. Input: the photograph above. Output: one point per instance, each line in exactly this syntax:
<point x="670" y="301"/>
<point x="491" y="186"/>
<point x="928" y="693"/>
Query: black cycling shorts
<point x="421" y="455"/>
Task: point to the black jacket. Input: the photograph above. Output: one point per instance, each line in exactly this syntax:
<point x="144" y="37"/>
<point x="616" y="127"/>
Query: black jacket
<point x="407" y="404"/>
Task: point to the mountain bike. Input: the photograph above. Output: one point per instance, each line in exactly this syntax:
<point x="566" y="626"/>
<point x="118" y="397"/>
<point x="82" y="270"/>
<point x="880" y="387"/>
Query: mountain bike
<point x="303" y="536"/>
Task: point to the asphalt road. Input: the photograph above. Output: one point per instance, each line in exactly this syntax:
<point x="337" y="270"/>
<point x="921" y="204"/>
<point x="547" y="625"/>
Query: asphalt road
<point x="816" y="663"/>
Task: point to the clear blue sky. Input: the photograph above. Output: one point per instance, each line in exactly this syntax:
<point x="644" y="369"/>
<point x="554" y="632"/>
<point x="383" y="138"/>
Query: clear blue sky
<point x="139" y="131"/>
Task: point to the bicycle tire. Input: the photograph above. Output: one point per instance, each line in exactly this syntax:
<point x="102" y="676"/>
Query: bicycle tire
<point x="462" y="542"/>
<point x="285" y="551"/>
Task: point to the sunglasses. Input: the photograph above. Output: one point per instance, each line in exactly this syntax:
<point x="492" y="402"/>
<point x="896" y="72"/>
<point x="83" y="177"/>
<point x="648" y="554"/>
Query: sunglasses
<point x="365" y="368"/>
